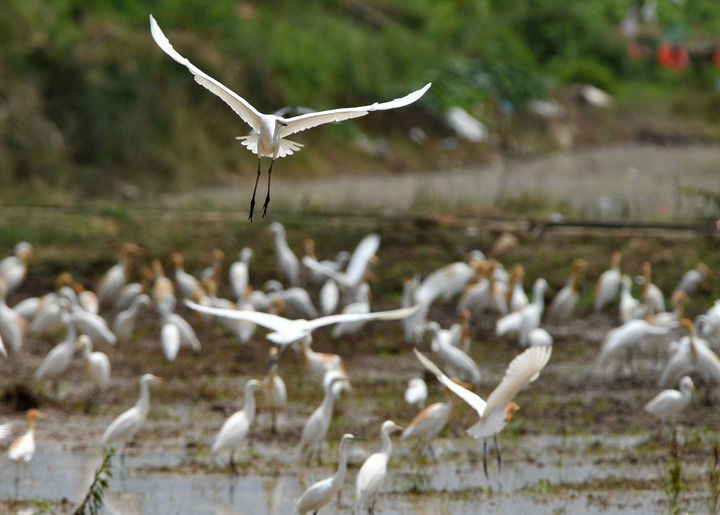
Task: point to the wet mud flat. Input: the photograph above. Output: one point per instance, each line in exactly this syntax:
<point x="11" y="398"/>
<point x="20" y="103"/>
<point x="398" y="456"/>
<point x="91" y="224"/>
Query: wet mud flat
<point x="580" y="442"/>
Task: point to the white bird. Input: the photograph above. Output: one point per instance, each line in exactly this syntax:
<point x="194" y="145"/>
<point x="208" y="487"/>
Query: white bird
<point x="286" y="331"/>
<point x="371" y="475"/>
<point x="318" y="423"/>
<point x="499" y="408"/>
<point x="185" y="330"/>
<point x="322" y="492"/>
<point x="567" y="298"/>
<point x="58" y="358"/>
<point x="214" y="271"/>
<point x="360" y="306"/>
<point x="270" y="131"/>
<point x="124" y="323"/>
<point x="518" y="297"/>
<point x="318" y="364"/>
<point x="125" y="296"/>
<point x="532" y="313"/>
<point x="691" y="279"/>
<point x="455" y="359"/>
<point x="287" y="261"/>
<point x="22" y="449"/>
<point x="163" y="289"/>
<point x="186" y="284"/>
<point x="630" y="307"/>
<point x="14" y="268"/>
<point x="274" y="390"/>
<point x="96" y="363"/>
<point x="117" y="276"/>
<point x="354" y="275"/>
<point x="12" y="324"/>
<point x="124" y="427"/>
<point x="329" y="297"/>
<point x="539" y="336"/>
<point x="627" y="337"/>
<point x="431" y="420"/>
<point x="416" y="392"/>
<point x="608" y="283"/>
<point x="652" y="295"/>
<point x="232" y="433"/>
<point x="669" y="403"/>
<point x="296" y="302"/>
<point x="89" y="323"/>
<point x="239" y="273"/>
<point x="170" y="340"/>
<point x="693" y="355"/>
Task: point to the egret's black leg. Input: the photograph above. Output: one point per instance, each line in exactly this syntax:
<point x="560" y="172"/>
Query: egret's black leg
<point x="252" y="200"/>
<point x="485" y="458"/>
<point x="233" y="467"/>
<point x="497" y="448"/>
<point x="267" y="197"/>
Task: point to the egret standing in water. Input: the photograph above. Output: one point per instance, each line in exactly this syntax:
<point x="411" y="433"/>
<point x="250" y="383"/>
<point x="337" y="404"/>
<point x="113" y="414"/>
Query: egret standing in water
<point x="268" y="139"/>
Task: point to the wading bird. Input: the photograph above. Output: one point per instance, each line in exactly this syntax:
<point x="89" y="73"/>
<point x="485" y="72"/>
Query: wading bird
<point x="124" y="427"/>
<point x="669" y="403"/>
<point x="321" y="493"/>
<point x="372" y="472"/>
<point x="270" y="131"/>
<point x="499" y="408"/>
<point x="233" y="431"/>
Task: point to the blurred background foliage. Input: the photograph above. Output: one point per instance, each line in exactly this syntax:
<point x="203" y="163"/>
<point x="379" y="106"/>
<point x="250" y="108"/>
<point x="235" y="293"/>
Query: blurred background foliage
<point x="90" y="106"/>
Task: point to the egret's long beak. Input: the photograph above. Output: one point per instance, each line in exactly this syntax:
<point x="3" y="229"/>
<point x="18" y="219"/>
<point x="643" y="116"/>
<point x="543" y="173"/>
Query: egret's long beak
<point x="158" y="379"/>
<point x="398" y="428"/>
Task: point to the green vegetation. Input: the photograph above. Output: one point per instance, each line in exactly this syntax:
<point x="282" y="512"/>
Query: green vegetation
<point x="94" y="500"/>
<point x="89" y="104"/>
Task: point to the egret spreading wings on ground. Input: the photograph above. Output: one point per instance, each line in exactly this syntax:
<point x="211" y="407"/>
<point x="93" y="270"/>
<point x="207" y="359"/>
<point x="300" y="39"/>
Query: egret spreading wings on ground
<point x="271" y="130"/>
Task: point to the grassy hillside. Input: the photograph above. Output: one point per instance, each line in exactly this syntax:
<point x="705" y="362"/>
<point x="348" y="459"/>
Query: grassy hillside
<point x="90" y="105"/>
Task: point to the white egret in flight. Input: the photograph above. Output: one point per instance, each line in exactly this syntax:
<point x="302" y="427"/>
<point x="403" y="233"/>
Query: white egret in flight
<point x="270" y="131"/>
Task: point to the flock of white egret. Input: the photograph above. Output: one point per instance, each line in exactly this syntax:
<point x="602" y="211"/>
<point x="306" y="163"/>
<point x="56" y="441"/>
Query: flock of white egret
<point x="483" y="288"/>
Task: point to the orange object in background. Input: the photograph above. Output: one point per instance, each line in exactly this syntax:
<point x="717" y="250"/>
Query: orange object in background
<point x="672" y="56"/>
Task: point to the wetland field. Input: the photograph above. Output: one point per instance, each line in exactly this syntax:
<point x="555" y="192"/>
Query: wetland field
<point x="579" y="443"/>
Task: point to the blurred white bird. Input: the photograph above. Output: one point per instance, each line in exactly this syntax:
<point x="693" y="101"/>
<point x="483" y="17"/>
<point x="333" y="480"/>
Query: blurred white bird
<point x="12" y="325"/>
<point x="459" y="363"/>
<point x="628" y="337"/>
<point x="320" y="494"/>
<point x="652" y="295"/>
<point x="22" y="449"/>
<point x="316" y="426"/>
<point x="608" y="283"/>
<point x="239" y="273"/>
<point x="96" y="363"/>
<point x="269" y="139"/>
<point x="124" y="427"/>
<point x="286" y="331"/>
<point x="274" y="391"/>
<point x="371" y="475"/>
<point x="117" y="276"/>
<point x="214" y="271"/>
<point x="232" y="433"/>
<point x="124" y="323"/>
<point x="518" y="297"/>
<point x="532" y="313"/>
<point x="669" y="403"/>
<point x="58" y="358"/>
<point x="416" y="392"/>
<point x="360" y="306"/>
<point x="329" y="297"/>
<point x="691" y="280"/>
<point x="567" y="298"/>
<point x="287" y="261"/>
<point x="630" y="307"/>
<point x="14" y="268"/>
<point x="89" y="323"/>
<point x="499" y="408"/>
<point x="185" y="284"/>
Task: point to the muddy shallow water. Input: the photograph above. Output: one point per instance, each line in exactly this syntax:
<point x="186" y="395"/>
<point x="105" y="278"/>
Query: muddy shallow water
<point x="579" y="443"/>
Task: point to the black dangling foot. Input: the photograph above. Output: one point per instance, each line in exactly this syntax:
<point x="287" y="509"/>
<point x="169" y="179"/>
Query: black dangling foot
<point x="252" y="200"/>
<point x="267" y="197"/>
<point x="497" y="448"/>
<point x="485" y="459"/>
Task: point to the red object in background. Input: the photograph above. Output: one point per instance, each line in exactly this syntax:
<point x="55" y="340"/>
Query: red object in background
<point x="672" y="56"/>
<point x="716" y="57"/>
<point x="634" y="51"/>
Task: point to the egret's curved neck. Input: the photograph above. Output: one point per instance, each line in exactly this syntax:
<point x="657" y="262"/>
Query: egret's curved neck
<point x="143" y="402"/>
<point x="339" y="476"/>
<point x="71" y="335"/>
<point x="386" y="448"/>
<point x="249" y="406"/>
<point x="329" y="399"/>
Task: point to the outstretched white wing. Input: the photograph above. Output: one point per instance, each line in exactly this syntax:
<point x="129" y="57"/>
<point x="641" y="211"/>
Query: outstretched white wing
<point x="248" y="113"/>
<point x="267" y="320"/>
<point x="475" y="401"/>
<point x="361" y="256"/>
<point x="307" y="121"/>
<point x="394" y="314"/>
<point x="522" y="370"/>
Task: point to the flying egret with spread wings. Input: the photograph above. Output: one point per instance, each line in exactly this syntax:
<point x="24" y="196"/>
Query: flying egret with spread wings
<point x="496" y="412"/>
<point x="286" y="332"/>
<point x="270" y="131"/>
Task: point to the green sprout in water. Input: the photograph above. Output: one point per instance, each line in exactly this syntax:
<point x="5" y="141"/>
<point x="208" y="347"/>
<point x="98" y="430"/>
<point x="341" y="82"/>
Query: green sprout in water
<point x="93" y="501"/>
<point x="673" y="475"/>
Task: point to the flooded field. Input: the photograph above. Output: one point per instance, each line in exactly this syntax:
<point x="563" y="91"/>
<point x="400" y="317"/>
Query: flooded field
<point x="579" y="443"/>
